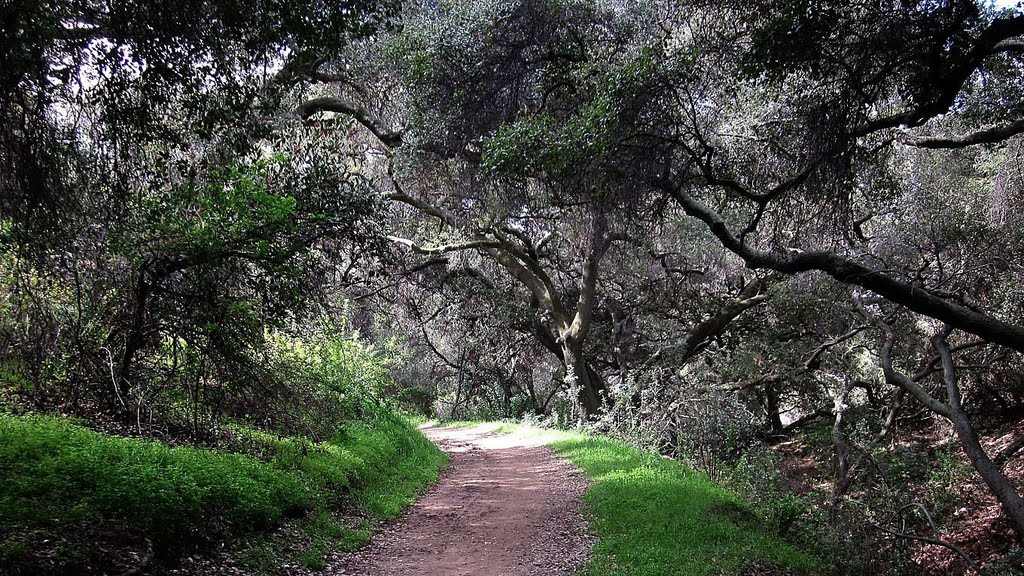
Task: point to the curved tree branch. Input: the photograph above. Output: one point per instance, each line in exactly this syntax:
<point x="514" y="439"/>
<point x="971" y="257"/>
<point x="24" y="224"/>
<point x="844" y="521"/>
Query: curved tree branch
<point x="712" y="326"/>
<point x="952" y="73"/>
<point x="986" y="136"/>
<point x="598" y="245"/>
<point x="390" y="138"/>
<point x="444" y="248"/>
<point x="933" y="541"/>
<point x="900" y="380"/>
<point x="850" y="272"/>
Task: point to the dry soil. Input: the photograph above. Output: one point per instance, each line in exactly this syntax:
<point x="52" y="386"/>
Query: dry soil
<point x="505" y="506"/>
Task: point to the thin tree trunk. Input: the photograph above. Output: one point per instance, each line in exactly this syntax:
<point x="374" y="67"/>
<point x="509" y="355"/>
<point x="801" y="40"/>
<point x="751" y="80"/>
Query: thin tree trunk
<point x="843" y="470"/>
<point x="953" y="410"/>
<point x="772" y="406"/>
<point x="135" y="338"/>
<point x="997" y="482"/>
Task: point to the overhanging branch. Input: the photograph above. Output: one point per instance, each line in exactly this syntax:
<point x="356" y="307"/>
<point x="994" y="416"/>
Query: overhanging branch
<point x="389" y="138"/>
<point x="952" y="73"/>
<point x="444" y="248"/>
<point x="848" y="271"/>
<point x="986" y="136"/>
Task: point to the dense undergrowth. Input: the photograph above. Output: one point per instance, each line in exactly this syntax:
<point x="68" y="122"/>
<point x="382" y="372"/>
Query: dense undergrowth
<point x="270" y="438"/>
<point x="654" y="516"/>
<point x="67" y="487"/>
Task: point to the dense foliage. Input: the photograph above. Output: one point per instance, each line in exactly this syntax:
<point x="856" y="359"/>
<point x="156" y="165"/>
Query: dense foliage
<point x="779" y="240"/>
<point x="68" y="488"/>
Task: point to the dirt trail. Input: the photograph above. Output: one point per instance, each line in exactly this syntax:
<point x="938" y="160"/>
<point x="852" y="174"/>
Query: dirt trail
<point x="505" y="506"/>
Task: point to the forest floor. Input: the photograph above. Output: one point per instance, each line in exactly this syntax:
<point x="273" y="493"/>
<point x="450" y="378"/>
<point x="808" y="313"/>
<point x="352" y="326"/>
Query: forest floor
<point x="505" y="506"/>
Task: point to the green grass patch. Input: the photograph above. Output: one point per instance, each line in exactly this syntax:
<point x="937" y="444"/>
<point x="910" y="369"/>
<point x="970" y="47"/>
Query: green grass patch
<point x="657" y="517"/>
<point x="64" y="479"/>
<point x="58" y="472"/>
<point x="499" y="426"/>
<point x="260" y="558"/>
<point x="461" y="423"/>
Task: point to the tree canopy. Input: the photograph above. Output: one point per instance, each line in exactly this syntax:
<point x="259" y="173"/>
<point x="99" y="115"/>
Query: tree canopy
<point x="704" y="226"/>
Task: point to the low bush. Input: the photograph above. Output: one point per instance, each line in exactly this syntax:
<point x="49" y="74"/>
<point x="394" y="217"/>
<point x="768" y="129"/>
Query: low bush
<point x="62" y="480"/>
<point x="656" y="516"/>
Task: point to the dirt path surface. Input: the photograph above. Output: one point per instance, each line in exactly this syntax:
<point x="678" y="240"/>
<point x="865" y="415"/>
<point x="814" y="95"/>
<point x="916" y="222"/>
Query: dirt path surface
<point x="505" y="506"/>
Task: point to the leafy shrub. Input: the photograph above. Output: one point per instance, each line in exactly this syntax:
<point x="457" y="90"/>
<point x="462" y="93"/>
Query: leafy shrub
<point x="319" y="381"/>
<point x="62" y="478"/>
<point x="58" y="471"/>
<point x="653" y="515"/>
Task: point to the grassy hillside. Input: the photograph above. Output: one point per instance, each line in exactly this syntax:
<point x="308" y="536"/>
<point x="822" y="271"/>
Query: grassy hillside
<point x="71" y="493"/>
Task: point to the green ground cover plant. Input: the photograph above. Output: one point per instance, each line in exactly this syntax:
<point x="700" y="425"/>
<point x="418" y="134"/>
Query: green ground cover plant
<point x="63" y="479"/>
<point x="654" y="516"/>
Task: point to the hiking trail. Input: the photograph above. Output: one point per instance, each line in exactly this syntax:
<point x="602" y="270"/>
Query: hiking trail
<point x="505" y="506"/>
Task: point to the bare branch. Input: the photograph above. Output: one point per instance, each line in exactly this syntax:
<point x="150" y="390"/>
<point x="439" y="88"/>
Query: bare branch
<point x="513" y="258"/>
<point x="429" y="263"/>
<point x="986" y="136"/>
<point x="900" y="380"/>
<point x="390" y="138"/>
<point x="850" y="272"/>
<point x="422" y="206"/>
<point x="952" y="75"/>
<point x="598" y="245"/>
<point x="933" y="541"/>
<point x="949" y="376"/>
<point x="814" y="360"/>
<point x="319" y="75"/>
<point x="698" y="337"/>
<point x="541" y="287"/>
<point x="444" y="248"/>
<point x="1006" y="453"/>
<point x="1010" y="45"/>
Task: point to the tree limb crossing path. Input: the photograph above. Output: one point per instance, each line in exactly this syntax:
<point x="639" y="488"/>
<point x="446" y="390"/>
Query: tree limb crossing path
<point x="505" y="506"/>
